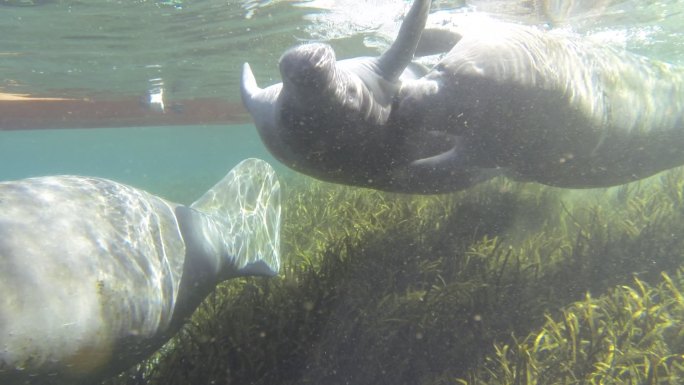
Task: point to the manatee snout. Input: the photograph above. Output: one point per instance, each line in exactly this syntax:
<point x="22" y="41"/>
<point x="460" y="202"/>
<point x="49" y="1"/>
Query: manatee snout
<point x="308" y="65"/>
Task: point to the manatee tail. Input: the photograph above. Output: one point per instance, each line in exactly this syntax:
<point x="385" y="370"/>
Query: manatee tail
<point x="393" y="62"/>
<point x="244" y="208"/>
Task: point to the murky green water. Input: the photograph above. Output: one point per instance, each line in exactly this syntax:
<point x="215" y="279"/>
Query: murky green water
<point x="375" y="286"/>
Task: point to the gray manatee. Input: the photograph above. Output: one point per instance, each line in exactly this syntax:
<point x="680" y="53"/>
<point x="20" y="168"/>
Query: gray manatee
<point x="506" y="98"/>
<point x="96" y="275"/>
<point x="548" y="108"/>
<point x="333" y="119"/>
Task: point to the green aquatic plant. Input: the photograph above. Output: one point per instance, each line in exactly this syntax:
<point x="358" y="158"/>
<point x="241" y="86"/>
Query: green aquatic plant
<point x="632" y="335"/>
<point x="386" y="288"/>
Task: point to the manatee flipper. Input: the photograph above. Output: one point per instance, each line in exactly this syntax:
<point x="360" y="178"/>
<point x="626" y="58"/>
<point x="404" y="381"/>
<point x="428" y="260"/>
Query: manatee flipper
<point x="97" y="275"/>
<point x="435" y="149"/>
<point x="439" y="163"/>
<point x="393" y="61"/>
<point x="434" y="41"/>
<point x="449" y="158"/>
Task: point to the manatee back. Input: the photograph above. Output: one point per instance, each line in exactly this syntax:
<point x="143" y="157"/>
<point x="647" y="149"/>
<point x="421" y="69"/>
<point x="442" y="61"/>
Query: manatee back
<point x="89" y="267"/>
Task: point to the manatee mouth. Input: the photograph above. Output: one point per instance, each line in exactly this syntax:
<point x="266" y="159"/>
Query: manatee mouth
<point x="308" y="65"/>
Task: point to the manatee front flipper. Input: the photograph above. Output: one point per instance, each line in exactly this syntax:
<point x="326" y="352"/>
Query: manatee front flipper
<point x="393" y="62"/>
<point x="450" y="158"/>
<point x="436" y="162"/>
<point x="432" y="41"/>
<point x="435" y="41"/>
<point x="436" y="149"/>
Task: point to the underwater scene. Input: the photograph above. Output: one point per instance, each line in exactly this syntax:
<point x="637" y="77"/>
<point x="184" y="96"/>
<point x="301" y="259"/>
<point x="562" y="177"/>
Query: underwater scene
<point x="341" y="192"/>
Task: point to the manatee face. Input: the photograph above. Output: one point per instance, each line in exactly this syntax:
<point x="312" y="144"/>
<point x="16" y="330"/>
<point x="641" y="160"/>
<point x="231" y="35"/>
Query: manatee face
<point x="328" y="118"/>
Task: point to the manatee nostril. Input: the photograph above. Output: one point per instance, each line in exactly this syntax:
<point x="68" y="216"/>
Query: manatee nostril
<point x="307" y="64"/>
<point x="320" y="55"/>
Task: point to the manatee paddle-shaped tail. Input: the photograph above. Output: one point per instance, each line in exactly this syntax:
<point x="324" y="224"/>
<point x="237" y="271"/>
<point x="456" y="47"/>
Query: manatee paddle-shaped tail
<point x="246" y="206"/>
<point x="97" y="275"/>
<point x="329" y="118"/>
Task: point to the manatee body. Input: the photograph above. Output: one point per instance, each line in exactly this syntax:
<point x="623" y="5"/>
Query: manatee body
<point x="548" y="108"/>
<point x="97" y="275"/>
<point x="332" y="119"/>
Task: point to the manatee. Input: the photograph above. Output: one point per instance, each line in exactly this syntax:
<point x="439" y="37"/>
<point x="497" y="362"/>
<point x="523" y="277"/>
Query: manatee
<point x="505" y="99"/>
<point x="97" y="275"/>
<point x="332" y="120"/>
<point x="546" y="107"/>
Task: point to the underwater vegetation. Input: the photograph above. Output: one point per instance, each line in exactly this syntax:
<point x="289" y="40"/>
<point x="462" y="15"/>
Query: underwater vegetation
<point x="632" y="335"/>
<point x="504" y="283"/>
